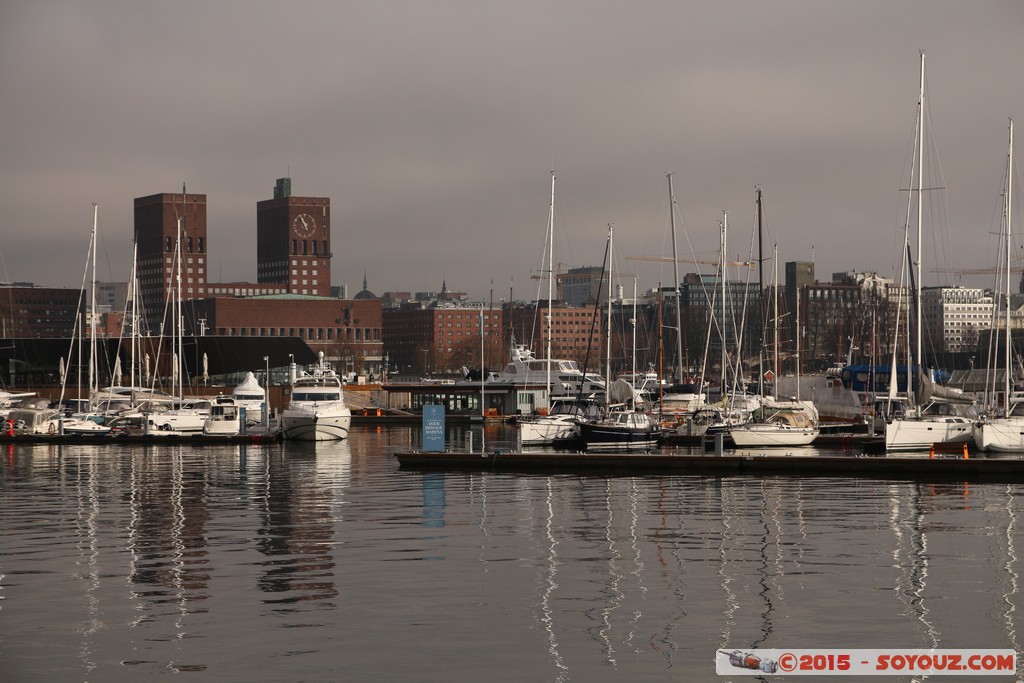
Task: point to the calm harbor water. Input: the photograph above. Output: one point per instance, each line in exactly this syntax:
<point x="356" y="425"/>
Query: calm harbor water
<point x="325" y="562"/>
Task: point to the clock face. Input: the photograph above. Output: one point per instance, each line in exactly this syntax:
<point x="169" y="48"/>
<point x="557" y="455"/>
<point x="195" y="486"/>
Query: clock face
<point x="304" y="225"/>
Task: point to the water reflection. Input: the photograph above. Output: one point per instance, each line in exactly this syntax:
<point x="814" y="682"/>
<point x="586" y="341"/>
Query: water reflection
<point x="297" y="508"/>
<point x="124" y="563"/>
<point x="169" y="544"/>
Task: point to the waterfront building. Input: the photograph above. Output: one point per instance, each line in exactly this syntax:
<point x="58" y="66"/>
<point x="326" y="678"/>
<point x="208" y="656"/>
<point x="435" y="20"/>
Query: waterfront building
<point x="438" y="337"/>
<point x="293" y="242"/>
<point x="348" y="331"/>
<point x="30" y="311"/>
<point x="156" y="238"/>
<point x="955" y="316"/>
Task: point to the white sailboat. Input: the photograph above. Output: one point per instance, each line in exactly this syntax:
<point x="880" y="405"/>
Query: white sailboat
<point x="184" y="418"/>
<point x="558" y="421"/>
<point x="87" y="421"/>
<point x="918" y="430"/>
<point x="684" y="396"/>
<point x="1005" y="433"/>
<point x="782" y="423"/>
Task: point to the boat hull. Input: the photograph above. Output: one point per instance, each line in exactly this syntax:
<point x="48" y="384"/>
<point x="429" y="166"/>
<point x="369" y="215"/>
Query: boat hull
<point x="922" y="434"/>
<point x="1002" y="435"/>
<point x="773" y="435"/>
<point x="316" y="426"/>
<point x="549" y="430"/>
<point x="597" y="437"/>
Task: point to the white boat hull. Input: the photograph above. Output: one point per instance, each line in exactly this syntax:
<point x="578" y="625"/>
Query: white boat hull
<point x="921" y="434"/>
<point x="773" y="435"/>
<point x="189" y="422"/>
<point x="1002" y="435"/>
<point x="315" y="426"/>
<point x="543" y="431"/>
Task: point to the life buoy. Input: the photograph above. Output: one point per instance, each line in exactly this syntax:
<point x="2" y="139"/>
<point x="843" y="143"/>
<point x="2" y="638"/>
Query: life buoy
<point x="52" y="428"/>
<point x="9" y="427"/>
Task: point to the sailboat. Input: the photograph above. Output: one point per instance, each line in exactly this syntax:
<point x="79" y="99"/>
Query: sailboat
<point x="781" y="422"/>
<point x="624" y="427"/>
<point x="1005" y="432"/>
<point x="685" y="395"/>
<point x="184" y="418"/>
<point x="917" y="430"/>
<point x="559" y="419"/>
<point x="87" y="422"/>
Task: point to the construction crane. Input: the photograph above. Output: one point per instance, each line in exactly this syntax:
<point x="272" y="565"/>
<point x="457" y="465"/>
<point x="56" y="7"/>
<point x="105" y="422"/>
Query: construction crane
<point x="976" y="271"/>
<point x="665" y="259"/>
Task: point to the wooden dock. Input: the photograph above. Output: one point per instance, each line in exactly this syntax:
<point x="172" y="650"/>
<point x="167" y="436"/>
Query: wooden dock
<point x="921" y="466"/>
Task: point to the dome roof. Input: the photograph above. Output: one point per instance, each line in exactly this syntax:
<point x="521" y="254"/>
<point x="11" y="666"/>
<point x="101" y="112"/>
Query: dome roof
<point x="365" y="293"/>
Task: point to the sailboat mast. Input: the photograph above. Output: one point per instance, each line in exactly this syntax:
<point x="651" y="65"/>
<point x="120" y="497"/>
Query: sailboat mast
<point x="675" y="280"/>
<point x="722" y="325"/>
<point x="608" y="335"/>
<point x="920" y="217"/>
<point x="133" y="318"/>
<point x="177" y="318"/>
<point x="775" y="311"/>
<point x="93" y="383"/>
<point x="1008" y="385"/>
<point x="760" y="294"/>
<point x="633" y="323"/>
<point x="551" y="277"/>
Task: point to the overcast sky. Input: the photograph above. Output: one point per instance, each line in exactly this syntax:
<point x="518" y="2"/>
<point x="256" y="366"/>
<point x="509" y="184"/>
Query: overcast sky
<point x="433" y="127"/>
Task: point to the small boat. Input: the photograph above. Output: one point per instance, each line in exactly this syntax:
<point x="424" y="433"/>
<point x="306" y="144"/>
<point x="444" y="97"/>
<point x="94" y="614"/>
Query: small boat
<point x="224" y="419"/>
<point x="129" y="424"/>
<point x="682" y="399"/>
<point x="560" y="426"/>
<point x="626" y="430"/>
<point x="33" y="420"/>
<point x="83" y="426"/>
<point x="779" y="423"/>
<point x="317" y="410"/>
<point x="189" y="418"/>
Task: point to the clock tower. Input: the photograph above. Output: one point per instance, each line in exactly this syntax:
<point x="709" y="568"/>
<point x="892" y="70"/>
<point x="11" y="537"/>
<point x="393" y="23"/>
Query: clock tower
<point x="293" y="241"/>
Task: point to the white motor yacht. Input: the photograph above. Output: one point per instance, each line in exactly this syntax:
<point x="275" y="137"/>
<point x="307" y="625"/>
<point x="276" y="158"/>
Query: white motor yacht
<point x="317" y="410"/>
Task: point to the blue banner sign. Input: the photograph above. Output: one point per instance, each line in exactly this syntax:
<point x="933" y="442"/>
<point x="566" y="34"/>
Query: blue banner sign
<point x="433" y="428"/>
